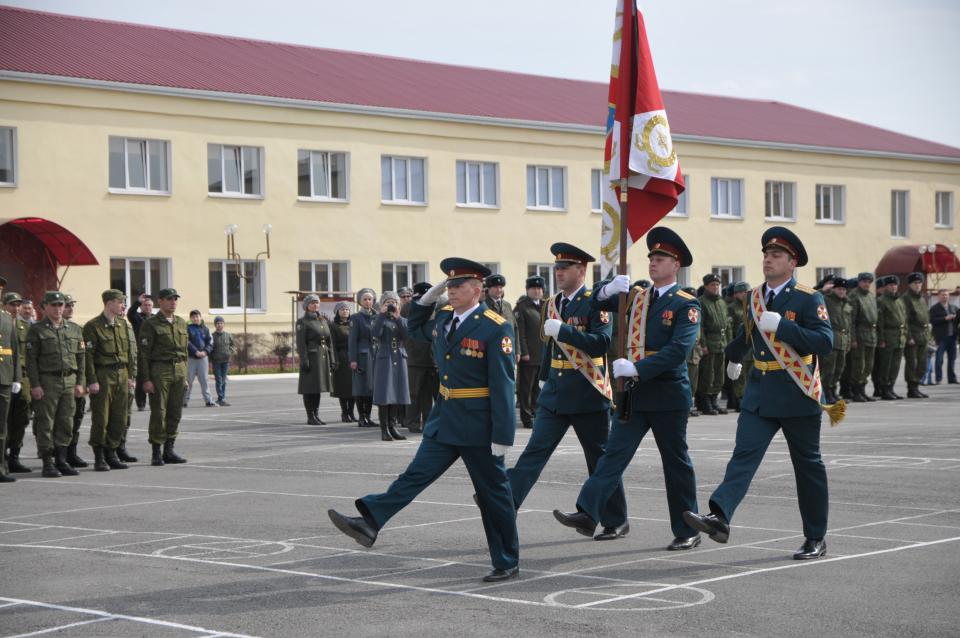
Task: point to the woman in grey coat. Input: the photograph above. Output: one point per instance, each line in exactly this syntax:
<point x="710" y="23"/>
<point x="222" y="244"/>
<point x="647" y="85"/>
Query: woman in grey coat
<point x="391" y="388"/>
<point x="360" y="350"/>
<point x="343" y="377"/>
<point x="318" y="358"/>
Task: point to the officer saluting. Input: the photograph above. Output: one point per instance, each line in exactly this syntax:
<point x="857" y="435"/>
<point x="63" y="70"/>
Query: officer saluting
<point x="786" y="326"/>
<point x="661" y="330"/>
<point x="576" y="388"/>
<point x="473" y="418"/>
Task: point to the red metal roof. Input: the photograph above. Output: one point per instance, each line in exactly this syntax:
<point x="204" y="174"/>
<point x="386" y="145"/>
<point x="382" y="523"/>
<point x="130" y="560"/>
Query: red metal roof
<point x="60" y="45"/>
<point x="65" y="248"/>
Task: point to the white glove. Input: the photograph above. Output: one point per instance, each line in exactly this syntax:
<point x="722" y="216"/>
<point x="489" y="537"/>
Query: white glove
<point x="624" y="368"/>
<point x="551" y="327"/>
<point x="430" y="297"/>
<point x="619" y="284"/>
<point x="733" y="370"/>
<point x="499" y="450"/>
<point x="542" y="383"/>
<point x="15" y="387"/>
<point x="769" y="321"/>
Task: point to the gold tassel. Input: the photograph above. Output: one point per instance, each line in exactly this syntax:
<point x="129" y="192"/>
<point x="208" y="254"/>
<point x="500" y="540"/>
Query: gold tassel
<point x="836" y="412"/>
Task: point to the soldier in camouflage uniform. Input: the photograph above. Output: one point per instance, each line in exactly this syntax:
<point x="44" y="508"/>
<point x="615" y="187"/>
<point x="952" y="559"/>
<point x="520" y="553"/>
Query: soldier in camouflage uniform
<point x="56" y="367"/>
<point x="831" y="365"/>
<point x="918" y="335"/>
<point x="892" y="334"/>
<point x="18" y="416"/>
<point x="863" y="344"/>
<point x="714" y="333"/>
<point x="736" y="310"/>
<point x="9" y="380"/>
<point x="72" y="458"/>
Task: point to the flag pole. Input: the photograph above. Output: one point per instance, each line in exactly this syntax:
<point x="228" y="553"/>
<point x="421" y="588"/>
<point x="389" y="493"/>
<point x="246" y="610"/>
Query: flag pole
<point x="622" y="270"/>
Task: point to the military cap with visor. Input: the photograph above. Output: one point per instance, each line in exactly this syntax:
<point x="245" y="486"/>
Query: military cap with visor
<point x="168" y="293"/>
<point x="536" y="282"/>
<point x="458" y="270"/>
<point x="54" y="297"/>
<point x="112" y="294"/>
<point x="567" y="254"/>
<point x="12" y="297"/>
<point x="778" y="237"/>
<point x="665" y="241"/>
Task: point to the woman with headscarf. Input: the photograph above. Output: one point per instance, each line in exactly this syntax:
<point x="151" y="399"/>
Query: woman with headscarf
<point x="343" y="376"/>
<point x="318" y="358"/>
<point x="360" y="351"/>
<point x="391" y="388"/>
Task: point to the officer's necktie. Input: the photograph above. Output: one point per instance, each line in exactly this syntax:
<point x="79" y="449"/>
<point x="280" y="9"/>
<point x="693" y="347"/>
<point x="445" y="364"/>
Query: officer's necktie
<point x="655" y="296"/>
<point x="453" y="328"/>
<point x="770" y="296"/>
<point x="563" y="305"/>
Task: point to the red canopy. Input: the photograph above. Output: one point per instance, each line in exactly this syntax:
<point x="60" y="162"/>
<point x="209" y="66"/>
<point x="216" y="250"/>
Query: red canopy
<point x="66" y="248"/>
<point x="906" y="259"/>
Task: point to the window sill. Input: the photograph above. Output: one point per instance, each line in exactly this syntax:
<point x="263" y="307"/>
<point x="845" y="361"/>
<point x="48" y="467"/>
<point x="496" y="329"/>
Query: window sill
<point x="237" y="311"/>
<point x="323" y="200"/>
<point x="736" y="218"/>
<point x="233" y="196"/>
<point x="8" y="184"/>
<point x="479" y="206"/>
<point x="942" y="227"/>
<point x="680" y="215"/>
<point x="830" y="222"/>
<point x="132" y="191"/>
<point x="780" y="220"/>
<point x="899" y="237"/>
<point x="596" y="211"/>
<point x="546" y="209"/>
<point x="397" y="202"/>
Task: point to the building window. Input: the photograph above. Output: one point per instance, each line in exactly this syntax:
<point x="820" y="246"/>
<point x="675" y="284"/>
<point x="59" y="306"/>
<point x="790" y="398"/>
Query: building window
<point x="726" y="199"/>
<point x="597" y="273"/>
<point x="545" y="187"/>
<point x="8" y="156"/>
<point x="139" y="165"/>
<point x="682" y="209"/>
<point x="944" y="209"/>
<point x="235" y="170"/>
<point x="683" y="276"/>
<point x="596" y="190"/>
<point x="477" y="183"/>
<point x="493" y="266"/>
<point x="781" y="202"/>
<point x="228" y="285"/>
<point x="899" y="214"/>
<point x="545" y="271"/>
<point x="325" y="276"/>
<point x="830" y="204"/>
<point x="395" y="275"/>
<point x="322" y="175"/>
<point x="728" y="274"/>
<point x="137" y="275"/>
<point x="830" y="271"/>
<point x="403" y="180"/>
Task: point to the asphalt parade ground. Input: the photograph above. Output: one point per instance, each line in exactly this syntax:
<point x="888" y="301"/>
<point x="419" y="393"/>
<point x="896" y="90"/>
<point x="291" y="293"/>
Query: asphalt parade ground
<point x="237" y="541"/>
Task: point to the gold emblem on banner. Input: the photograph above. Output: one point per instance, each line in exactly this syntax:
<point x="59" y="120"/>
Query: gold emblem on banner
<point x="664" y="155"/>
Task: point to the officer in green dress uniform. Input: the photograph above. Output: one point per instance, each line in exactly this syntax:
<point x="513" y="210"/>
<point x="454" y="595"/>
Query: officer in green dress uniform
<point x="660" y="395"/>
<point x="918" y="331"/>
<point x="111" y="375"/>
<point x="892" y="337"/>
<point x="838" y="308"/>
<point x="773" y="400"/>
<point x="568" y="397"/>
<point x="713" y="335"/>
<point x="473" y="418"/>
<point x="18" y="416"/>
<point x="9" y="380"/>
<point x="863" y="344"/>
<point x="56" y="367"/>
<point x="163" y="369"/>
<point x="529" y="321"/>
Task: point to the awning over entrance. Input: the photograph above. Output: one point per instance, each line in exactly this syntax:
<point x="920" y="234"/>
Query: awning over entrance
<point x="929" y="259"/>
<point x="65" y="247"/>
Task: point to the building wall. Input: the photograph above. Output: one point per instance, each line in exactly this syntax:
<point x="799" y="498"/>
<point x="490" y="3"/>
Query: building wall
<point x="62" y="136"/>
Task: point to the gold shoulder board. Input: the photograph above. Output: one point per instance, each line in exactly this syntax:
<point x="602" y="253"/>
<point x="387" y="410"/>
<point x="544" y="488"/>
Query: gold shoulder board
<point x="494" y="317"/>
<point x="447" y="307"/>
<point x="806" y="289"/>
<point x="685" y="295"/>
<point x="587" y="293"/>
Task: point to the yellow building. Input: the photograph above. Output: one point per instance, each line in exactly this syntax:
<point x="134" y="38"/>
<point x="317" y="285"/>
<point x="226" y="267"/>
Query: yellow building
<point x="143" y="144"/>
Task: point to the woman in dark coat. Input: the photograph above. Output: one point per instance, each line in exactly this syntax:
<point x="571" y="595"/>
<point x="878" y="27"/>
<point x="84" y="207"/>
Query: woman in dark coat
<point x="360" y="351"/>
<point x="318" y="358"/>
<point x="391" y="388"/>
<point x="343" y="377"/>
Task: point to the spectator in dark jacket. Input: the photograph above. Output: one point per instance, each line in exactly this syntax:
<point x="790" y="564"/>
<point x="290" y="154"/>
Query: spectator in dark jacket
<point x="223" y="349"/>
<point x="199" y="347"/>
<point x="140" y="311"/>
<point x="943" y="319"/>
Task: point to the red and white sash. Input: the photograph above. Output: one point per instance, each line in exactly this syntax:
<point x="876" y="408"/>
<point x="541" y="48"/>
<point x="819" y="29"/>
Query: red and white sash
<point x="638" y="309"/>
<point x="579" y="359"/>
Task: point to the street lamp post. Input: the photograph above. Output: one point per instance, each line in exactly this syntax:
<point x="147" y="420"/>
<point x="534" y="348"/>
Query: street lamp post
<point x="230" y="230"/>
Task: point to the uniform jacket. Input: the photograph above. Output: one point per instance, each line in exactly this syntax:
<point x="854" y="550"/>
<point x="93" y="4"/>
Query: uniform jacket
<point x="672" y="325"/>
<point x="419" y="353"/>
<point x="715" y="330"/>
<point x="918" y="316"/>
<point x="938" y="320"/>
<point x="475" y="421"/>
<point x="343" y="375"/>
<point x="567" y="391"/>
<point x="805" y="325"/>
<point x="391" y="385"/>
<point x="528" y="324"/>
<point x="135" y="317"/>
<point x="863" y="316"/>
<point x="891" y="321"/>
<point x="317" y="355"/>
<point x="55" y="350"/>
<point x="161" y="341"/>
<point x="841" y="315"/>
<point x="360" y="350"/>
<point x="109" y="345"/>
<point x="22" y="326"/>
<point x="502" y="308"/>
<point x="9" y="350"/>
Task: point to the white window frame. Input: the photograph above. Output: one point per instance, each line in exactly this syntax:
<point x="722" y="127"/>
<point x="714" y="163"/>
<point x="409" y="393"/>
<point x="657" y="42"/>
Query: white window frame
<point x="684" y="275"/>
<point x="834" y="190"/>
<point x="596" y="190"/>
<point x="733" y="274"/>
<point x="786" y="200"/>
<point x="166" y="273"/>
<point x="329" y="263"/>
<point x="823" y="271"/>
<point x="225" y="272"/>
<point x="13" y="157"/>
<point x="136" y="190"/>
<point x="943" y="201"/>
<point x="480" y="187"/>
<point x="410" y="266"/>
<point x="494" y="267"/>
<point x="393" y="181"/>
<point x="322" y="198"/>
<point x="261" y="157"/>
<point x="545" y="270"/>
<point x="682" y="209"/>
<point x="715" y="183"/>
<point x="894" y="211"/>
<point x="550" y="179"/>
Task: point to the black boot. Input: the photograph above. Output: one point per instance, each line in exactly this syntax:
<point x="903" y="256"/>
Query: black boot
<point x="125" y="456"/>
<point x="857" y="395"/>
<point x="61" y="463"/>
<point x="311" y="420"/>
<point x="893" y="392"/>
<point x="73" y="459"/>
<point x="392" y="424"/>
<point x="715" y="403"/>
<point x="344" y="417"/>
<point x="694" y="411"/>
<point x="110" y="456"/>
<point x="384" y="415"/>
<point x="49" y="466"/>
<point x="877" y="390"/>
<point x="862" y="390"/>
<point x="703" y="402"/>
<point x="169" y="456"/>
<point x="99" y="465"/>
<point x="316" y="417"/>
<point x="368" y="409"/>
<point x="156" y="458"/>
<point x="886" y="394"/>
<point x="14" y="464"/>
<point x="350" y="404"/>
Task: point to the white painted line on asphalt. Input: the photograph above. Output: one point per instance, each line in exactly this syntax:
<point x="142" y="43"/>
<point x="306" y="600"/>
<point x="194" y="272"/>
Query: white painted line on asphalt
<point x="407" y="571"/>
<point x="929" y="525"/>
<point x="70" y="538"/>
<point x="146" y="540"/>
<point x="50" y="630"/>
<point x="311" y="558"/>
<point x="119" y="505"/>
<point x="4" y="605"/>
<point x="22" y="529"/>
<point x="875" y="538"/>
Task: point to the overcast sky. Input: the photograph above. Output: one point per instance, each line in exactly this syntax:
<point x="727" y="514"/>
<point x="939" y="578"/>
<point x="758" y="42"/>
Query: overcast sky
<point x="891" y="63"/>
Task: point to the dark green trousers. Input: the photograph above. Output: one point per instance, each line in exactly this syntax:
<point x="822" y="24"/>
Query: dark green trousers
<point x="915" y="362"/>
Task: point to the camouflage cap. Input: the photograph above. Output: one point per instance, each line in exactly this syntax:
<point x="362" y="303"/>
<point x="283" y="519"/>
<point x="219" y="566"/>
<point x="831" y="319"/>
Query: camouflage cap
<point x="12" y="297"/>
<point x="112" y="294"/>
<point x="54" y="297"/>
<point x="168" y="293"/>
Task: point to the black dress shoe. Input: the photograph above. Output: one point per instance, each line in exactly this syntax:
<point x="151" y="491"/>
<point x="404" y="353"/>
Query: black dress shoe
<point x="7" y="479"/>
<point x="811" y="549"/>
<point x="578" y="521"/>
<point x="681" y="543"/>
<point x="497" y="575"/>
<point x="613" y="533"/>
<point x="355" y="527"/>
<point x="710" y="524"/>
